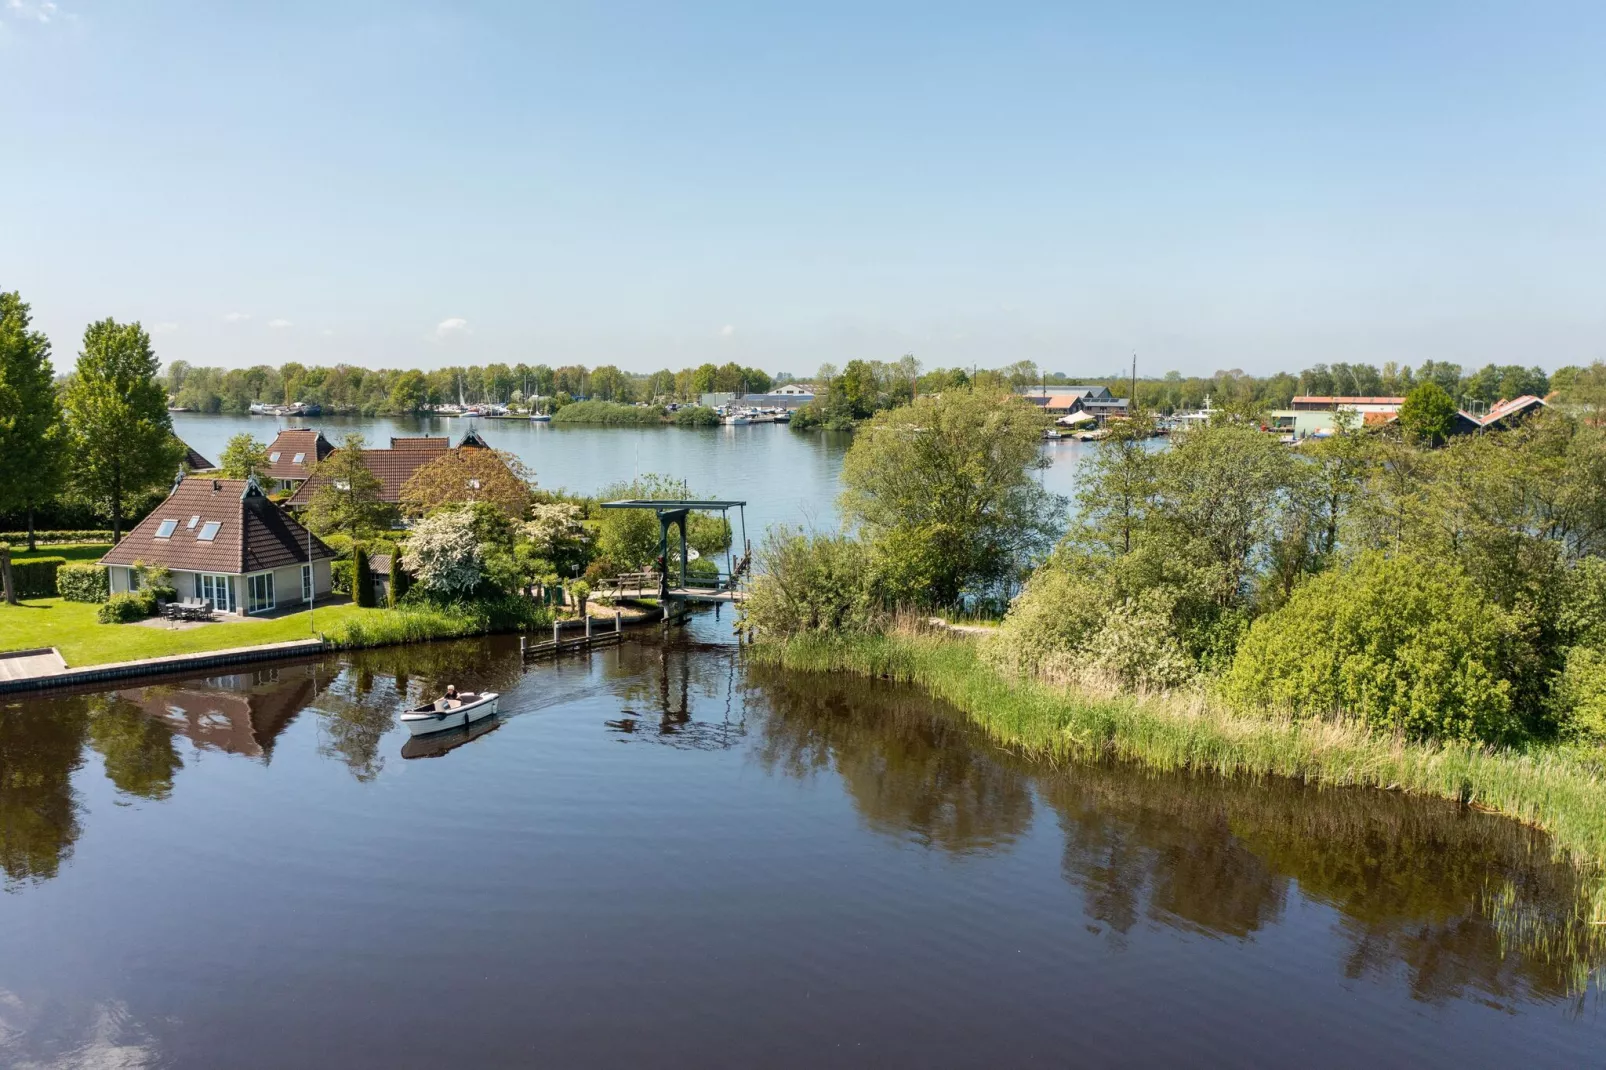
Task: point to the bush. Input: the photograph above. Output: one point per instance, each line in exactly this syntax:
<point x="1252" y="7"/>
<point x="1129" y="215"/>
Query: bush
<point x="1578" y="697"/>
<point x="611" y="413"/>
<point x="340" y="576"/>
<point x="81" y="582"/>
<point x="398" y="578"/>
<point x="1405" y="644"/>
<point x="20" y="538"/>
<point x="36" y="578"/>
<point x="696" y="416"/>
<point x="126" y="608"/>
<point x="811" y="583"/>
<point x="580" y="591"/>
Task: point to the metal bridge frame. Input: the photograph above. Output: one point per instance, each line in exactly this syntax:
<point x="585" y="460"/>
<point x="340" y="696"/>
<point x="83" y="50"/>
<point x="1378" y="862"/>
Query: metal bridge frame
<point x="673" y="513"/>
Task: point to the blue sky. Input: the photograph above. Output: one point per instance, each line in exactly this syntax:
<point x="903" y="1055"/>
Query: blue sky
<point x="1212" y="186"/>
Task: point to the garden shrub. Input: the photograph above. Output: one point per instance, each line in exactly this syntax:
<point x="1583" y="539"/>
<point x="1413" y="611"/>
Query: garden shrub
<point x="82" y="582"/>
<point x="811" y="583"/>
<point x="1578" y="696"/>
<point x="362" y="577"/>
<point x="1405" y="644"/>
<point x="36" y="578"/>
<point x="340" y="576"/>
<point x="126" y="608"/>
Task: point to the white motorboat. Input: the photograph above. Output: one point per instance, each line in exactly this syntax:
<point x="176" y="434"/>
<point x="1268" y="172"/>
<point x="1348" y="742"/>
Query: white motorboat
<point x="444" y="714"/>
<point x="737" y="419"/>
<point x="540" y="417"/>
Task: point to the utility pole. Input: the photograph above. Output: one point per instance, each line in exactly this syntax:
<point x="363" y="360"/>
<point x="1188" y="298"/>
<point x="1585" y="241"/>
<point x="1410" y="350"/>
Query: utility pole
<point x="1132" y="401"/>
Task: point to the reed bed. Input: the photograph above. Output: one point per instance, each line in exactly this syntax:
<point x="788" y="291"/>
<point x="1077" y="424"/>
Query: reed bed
<point x="1562" y="793"/>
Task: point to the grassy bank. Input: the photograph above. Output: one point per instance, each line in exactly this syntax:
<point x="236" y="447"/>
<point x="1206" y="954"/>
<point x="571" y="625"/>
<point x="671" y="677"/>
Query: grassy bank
<point x="71" y="627"/>
<point x="1559" y="792"/>
<point x="614" y="414"/>
<point x="79" y="551"/>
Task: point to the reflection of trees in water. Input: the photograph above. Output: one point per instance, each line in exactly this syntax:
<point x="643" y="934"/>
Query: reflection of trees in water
<point x="138" y="751"/>
<point x="41" y="746"/>
<point x="1409" y="877"/>
<point x="908" y="772"/>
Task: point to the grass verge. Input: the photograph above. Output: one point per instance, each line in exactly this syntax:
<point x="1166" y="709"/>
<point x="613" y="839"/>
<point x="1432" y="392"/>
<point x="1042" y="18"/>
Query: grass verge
<point x="71" y="627"/>
<point x="1555" y="790"/>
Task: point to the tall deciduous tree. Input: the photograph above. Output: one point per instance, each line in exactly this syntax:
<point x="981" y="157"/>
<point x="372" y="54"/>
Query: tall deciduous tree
<point x="462" y="476"/>
<point x="943" y="488"/>
<point x="30" y="417"/>
<point x="120" y="434"/>
<point x="1428" y="414"/>
<point x="244" y="457"/>
<point x="348" y="494"/>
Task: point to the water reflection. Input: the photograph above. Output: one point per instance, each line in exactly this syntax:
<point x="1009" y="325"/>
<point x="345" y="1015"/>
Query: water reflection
<point x="672" y="692"/>
<point x="40" y="750"/>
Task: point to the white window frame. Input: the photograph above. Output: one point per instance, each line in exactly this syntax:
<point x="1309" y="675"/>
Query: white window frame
<point x="308" y="584"/>
<point x="208" y="585"/>
<point x="251" y="603"/>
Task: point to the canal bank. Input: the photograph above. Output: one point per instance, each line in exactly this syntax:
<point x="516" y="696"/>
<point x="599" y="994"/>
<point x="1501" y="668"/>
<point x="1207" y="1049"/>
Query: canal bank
<point x="1546" y="788"/>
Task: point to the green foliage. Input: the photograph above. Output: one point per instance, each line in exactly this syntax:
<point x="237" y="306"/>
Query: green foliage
<point x="46" y="538"/>
<point x="346" y="499"/>
<point x="362" y="577"/>
<point x="1404" y="644"/>
<point x="82" y="582"/>
<point x="1578" y="698"/>
<point x="558" y="534"/>
<point x="119" y="433"/>
<point x="811" y="583"/>
<point x="36" y="577"/>
<point x="694" y="416"/>
<point x="31" y="432"/>
<point x="611" y="413"/>
<point x="1428" y="414"/>
<point x="943" y="490"/>
<point x="446" y="556"/>
<point x="409" y="393"/>
<point x="398" y="580"/>
<point x="244" y="457"/>
<point x="580" y="591"/>
<point x="630" y="537"/>
<point x="126" y="608"/>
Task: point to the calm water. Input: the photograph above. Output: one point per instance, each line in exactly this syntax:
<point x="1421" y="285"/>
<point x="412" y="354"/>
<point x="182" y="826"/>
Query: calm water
<point x="784" y="475"/>
<point x="661" y="856"/>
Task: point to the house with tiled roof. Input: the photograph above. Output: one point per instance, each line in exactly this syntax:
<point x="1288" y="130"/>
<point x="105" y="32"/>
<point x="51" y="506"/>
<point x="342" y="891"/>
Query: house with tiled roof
<point x="392" y="467"/>
<point x="227" y="543"/>
<point x="292" y="455"/>
<point x="420" y="442"/>
<point x="193" y="461"/>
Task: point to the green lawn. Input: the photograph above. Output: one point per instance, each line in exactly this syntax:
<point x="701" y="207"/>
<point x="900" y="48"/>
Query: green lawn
<point x="84" y="551"/>
<point x="71" y="627"/>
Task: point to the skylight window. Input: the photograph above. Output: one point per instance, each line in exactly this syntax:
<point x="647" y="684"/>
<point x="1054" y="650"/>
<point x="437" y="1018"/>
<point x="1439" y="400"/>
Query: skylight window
<point x="209" y="530"/>
<point x="298" y="458"/>
<point x="165" y="529"/>
<point x="194" y="520"/>
<point x="273" y="458"/>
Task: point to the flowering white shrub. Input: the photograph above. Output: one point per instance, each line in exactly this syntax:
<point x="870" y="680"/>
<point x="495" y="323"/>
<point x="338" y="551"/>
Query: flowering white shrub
<point x="443" y="555"/>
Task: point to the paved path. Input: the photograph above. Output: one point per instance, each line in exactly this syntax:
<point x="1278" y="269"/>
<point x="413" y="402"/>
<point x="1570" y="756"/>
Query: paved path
<point x="23" y="664"/>
<point x="59" y="675"/>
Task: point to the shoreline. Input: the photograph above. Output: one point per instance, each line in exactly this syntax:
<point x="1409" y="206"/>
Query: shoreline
<point x="1549" y="790"/>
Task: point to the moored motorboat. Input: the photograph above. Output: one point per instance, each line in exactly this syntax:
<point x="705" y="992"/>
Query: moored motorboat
<point x="540" y="417"/>
<point x="444" y="714"/>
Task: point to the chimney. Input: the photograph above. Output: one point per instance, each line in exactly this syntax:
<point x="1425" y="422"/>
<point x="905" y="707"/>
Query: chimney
<point x="217" y="485"/>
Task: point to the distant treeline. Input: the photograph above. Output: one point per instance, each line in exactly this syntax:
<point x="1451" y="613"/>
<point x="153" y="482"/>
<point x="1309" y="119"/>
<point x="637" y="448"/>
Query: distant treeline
<point x="852" y="392"/>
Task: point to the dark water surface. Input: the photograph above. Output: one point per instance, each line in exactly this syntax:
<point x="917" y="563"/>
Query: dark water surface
<point x="664" y="857"/>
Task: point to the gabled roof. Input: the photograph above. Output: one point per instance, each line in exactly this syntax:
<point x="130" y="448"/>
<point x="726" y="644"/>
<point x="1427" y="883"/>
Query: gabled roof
<point x="419" y="442"/>
<point x="292" y="442"/>
<point x="1344" y="399"/>
<point x="393" y="468"/>
<point x="253" y="533"/>
<point x="473" y="441"/>
<point x="1084" y="391"/>
<point x="194" y="461"/>
<point x="1504" y="409"/>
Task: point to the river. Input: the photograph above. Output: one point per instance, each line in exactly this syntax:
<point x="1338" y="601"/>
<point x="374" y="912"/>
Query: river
<point x="785" y="476"/>
<point x="663" y="856"/>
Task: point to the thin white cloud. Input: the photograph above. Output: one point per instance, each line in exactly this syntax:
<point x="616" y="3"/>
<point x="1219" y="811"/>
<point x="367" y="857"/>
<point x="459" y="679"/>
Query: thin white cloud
<point x="454" y="325"/>
<point x="727" y="330"/>
<point x="42" y="11"/>
<point x="165" y="327"/>
<point x="236" y="317"/>
<point x="280" y="323"/>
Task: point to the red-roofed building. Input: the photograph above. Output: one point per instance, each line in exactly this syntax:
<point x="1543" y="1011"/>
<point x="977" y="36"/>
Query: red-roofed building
<point x="293" y="453"/>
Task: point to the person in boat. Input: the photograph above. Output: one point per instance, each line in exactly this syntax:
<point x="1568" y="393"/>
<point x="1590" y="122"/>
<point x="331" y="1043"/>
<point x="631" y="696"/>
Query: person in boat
<point x="449" y="700"/>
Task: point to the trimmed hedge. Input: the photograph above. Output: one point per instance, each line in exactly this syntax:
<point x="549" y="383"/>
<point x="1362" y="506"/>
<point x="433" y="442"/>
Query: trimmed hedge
<point x="78" y="581"/>
<point x="398" y="578"/>
<point x="362" y="577"/>
<point x="36" y="578"/>
<point x="20" y="538"/>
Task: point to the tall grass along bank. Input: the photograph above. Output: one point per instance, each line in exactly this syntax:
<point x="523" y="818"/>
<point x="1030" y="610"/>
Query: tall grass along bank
<point x="1554" y="790"/>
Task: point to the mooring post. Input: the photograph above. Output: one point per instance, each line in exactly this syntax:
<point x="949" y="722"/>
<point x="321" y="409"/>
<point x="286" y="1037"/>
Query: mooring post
<point x="554" y="631"/>
<point x="588" y="624"/>
<point x="617" y="626"/>
<point x="524" y="647"/>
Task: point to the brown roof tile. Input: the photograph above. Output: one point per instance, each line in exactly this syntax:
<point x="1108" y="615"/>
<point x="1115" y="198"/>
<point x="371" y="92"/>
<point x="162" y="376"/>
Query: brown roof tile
<point x="305" y="442"/>
<point x="194" y="461"/>
<point x="393" y="468"/>
<point x="253" y="533"/>
<point x="419" y="442"/>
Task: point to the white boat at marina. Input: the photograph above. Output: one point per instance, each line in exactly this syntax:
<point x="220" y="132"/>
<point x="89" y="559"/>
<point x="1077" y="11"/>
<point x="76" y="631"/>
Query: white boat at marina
<point x="444" y="714"/>
<point x="540" y="417"/>
<point x="737" y="419"/>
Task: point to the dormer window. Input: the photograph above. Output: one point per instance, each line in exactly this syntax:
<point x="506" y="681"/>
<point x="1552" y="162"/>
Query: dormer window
<point x="209" y="530"/>
<point x="165" y="529"/>
<point x="273" y="458"/>
<point x="298" y="458"/>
